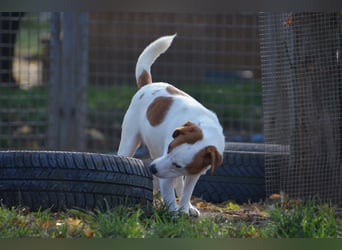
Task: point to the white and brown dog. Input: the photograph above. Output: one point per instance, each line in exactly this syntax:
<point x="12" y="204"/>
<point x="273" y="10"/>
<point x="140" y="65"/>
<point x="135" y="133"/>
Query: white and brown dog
<point x="183" y="137"/>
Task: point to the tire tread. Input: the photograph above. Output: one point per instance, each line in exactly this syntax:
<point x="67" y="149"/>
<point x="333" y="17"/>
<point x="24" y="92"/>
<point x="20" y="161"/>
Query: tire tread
<point x="60" y="180"/>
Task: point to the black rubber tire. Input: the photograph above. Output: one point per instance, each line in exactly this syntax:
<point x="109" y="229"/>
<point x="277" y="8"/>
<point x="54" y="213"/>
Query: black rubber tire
<point x="241" y="177"/>
<point x="62" y="180"/>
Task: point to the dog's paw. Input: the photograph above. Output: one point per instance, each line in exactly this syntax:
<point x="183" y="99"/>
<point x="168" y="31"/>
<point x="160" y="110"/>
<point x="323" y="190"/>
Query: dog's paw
<point x="194" y="211"/>
<point x="189" y="210"/>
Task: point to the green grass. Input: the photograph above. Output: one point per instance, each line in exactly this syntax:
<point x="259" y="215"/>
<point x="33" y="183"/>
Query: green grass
<point x="305" y="221"/>
<point x="119" y="96"/>
<point x="214" y="95"/>
<point x="237" y="105"/>
<point x="110" y="98"/>
<point x="309" y="220"/>
<point x="19" y="98"/>
<point x="230" y="100"/>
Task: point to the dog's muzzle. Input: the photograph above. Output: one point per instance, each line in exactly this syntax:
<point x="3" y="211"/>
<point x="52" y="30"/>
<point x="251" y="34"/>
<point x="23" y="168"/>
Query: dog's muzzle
<point x="153" y="169"/>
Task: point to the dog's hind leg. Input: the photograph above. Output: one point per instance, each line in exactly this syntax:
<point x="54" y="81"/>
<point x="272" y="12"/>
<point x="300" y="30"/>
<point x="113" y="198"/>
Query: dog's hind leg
<point x="128" y="143"/>
<point x="130" y="136"/>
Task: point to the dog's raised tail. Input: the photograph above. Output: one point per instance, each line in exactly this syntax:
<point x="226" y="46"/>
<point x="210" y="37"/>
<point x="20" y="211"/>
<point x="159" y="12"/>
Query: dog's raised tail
<point x="147" y="58"/>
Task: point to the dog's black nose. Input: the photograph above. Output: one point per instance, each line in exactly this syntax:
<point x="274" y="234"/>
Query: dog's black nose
<point x="153" y="169"/>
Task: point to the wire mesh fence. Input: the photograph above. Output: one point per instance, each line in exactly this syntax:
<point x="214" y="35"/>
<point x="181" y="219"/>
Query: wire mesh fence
<point x="215" y="58"/>
<point x="23" y="96"/>
<point x="302" y="103"/>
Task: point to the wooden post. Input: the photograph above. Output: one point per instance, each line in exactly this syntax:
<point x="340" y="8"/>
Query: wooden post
<point x="54" y="82"/>
<point x="68" y="88"/>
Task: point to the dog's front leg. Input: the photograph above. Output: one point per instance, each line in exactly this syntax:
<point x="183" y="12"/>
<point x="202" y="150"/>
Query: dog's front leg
<point x="179" y="184"/>
<point x="185" y="205"/>
<point x="168" y="193"/>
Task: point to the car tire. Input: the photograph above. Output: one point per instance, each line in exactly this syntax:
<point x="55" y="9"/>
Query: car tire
<point x="63" y="180"/>
<point x="241" y="177"/>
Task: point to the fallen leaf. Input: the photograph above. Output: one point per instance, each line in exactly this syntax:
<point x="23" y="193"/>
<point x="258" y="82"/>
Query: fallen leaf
<point x="48" y="224"/>
<point x="275" y="196"/>
<point x="233" y="206"/>
<point x="88" y="233"/>
<point x="73" y="222"/>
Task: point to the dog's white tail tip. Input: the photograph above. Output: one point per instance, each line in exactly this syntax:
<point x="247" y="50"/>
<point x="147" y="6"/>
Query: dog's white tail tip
<point x="148" y="56"/>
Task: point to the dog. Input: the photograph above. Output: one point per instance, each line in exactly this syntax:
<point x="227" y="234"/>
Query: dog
<point x="184" y="138"/>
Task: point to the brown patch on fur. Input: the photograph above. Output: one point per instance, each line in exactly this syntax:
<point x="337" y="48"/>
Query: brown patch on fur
<point x="188" y="133"/>
<point x="207" y="156"/>
<point x="144" y="79"/>
<point x="158" y="109"/>
<point x="174" y="91"/>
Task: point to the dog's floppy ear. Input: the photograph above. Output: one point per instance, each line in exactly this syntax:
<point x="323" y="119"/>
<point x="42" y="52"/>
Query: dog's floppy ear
<point x="212" y="157"/>
<point x="188" y="133"/>
<point x="205" y="157"/>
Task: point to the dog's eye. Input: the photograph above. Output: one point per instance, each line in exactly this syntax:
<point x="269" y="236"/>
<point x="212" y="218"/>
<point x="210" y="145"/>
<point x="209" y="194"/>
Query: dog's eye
<point x="176" y="165"/>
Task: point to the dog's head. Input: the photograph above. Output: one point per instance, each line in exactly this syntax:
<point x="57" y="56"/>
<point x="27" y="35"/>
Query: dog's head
<point x="189" y="153"/>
